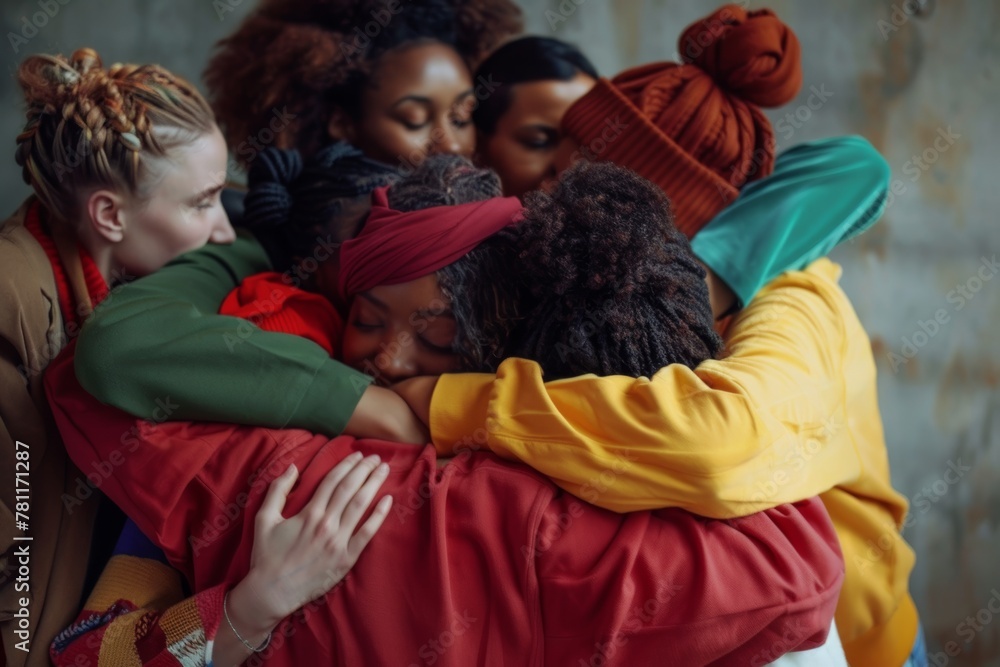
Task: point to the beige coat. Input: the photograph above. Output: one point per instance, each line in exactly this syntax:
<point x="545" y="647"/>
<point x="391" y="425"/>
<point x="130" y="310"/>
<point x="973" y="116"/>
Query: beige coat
<point x="31" y="334"/>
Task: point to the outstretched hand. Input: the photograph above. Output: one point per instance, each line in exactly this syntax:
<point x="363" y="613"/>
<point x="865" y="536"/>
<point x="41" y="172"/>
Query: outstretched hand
<point x="299" y="559"/>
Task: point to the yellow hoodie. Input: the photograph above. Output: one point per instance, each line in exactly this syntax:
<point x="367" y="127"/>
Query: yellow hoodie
<point x="790" y="413"/>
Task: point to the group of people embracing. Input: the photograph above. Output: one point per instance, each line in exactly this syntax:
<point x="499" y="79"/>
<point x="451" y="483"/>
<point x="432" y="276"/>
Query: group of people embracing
<point x="495" y="361"/>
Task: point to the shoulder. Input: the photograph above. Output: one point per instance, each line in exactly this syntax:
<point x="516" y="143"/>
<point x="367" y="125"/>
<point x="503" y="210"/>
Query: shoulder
<point x="20" y="254"/>
<point x="28" y="293"/>
<point x="522" y="494"/>
<point x="26" y="282"/>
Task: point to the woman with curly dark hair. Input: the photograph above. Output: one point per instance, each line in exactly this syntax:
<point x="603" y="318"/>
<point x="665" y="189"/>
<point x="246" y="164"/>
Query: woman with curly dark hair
<point x="384" y="285"/>
<point x="432" y="273"/>
<point x="392" y="78"/>
<point x="696" y="129"/>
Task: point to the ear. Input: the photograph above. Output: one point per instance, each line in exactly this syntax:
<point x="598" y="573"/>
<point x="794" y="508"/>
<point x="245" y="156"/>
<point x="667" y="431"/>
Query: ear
<point x="340" y="127"/>
<point x="106" y="214"/>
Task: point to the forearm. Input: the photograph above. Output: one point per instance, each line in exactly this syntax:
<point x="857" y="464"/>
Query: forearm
<point x="158" y="350"/>
<point x="722" y="299"/>
<point x="727" y="439"/>
<point x="229" y="649"/>
<point x="820" y="194"/>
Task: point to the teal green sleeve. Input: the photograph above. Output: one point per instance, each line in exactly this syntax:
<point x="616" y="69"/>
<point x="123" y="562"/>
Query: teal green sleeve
<point x="821" y="193"/>
<point x="158" y="349"/>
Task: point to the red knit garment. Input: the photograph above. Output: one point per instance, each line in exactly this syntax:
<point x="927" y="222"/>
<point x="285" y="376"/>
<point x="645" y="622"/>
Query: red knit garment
<point x="695" y="128"/>
<point x="273" y="305"/>
<point x="97" y="287"/>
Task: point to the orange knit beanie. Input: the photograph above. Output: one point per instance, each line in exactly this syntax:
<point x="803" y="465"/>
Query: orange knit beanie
<point x="696" y="129"/>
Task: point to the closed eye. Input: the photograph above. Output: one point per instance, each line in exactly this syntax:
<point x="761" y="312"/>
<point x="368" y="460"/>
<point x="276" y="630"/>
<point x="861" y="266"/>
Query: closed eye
<point x="539" y="137"/>
<point x="366" y="326"/>
<point x="436" y="348"/>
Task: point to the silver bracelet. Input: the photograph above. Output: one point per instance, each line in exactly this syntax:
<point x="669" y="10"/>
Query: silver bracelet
<point x="225" y="612"/>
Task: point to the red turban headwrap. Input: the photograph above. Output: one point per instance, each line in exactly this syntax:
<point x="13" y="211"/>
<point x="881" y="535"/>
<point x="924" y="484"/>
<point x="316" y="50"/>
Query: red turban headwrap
<point x="395" y="247"/>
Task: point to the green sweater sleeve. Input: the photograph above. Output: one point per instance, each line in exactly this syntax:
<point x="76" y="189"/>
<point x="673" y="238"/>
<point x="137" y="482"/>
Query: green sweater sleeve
<point x="158" y="349"/>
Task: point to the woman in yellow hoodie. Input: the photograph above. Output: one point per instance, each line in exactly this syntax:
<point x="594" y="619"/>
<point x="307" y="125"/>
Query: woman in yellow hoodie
<point x="791" y="412"/>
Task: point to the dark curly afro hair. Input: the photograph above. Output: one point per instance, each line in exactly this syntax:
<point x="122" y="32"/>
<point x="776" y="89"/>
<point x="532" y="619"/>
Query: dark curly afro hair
<point x="303" y="58"/>
<point x="614" y="288"/>
<point x="444" y="180"/>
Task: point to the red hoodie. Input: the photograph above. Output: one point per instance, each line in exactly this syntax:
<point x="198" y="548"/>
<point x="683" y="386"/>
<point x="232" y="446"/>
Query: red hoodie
<point x="482" y="561"/>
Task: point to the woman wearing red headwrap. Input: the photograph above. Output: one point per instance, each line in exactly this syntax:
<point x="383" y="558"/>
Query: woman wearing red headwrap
<point x="391" y="270"/>
<point x="735" y="164"/>
<point x="650" y="584"/>
<point x="398" y="258"/>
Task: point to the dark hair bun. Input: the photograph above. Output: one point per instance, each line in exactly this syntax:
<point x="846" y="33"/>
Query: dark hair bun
<point x="269" y="198"/>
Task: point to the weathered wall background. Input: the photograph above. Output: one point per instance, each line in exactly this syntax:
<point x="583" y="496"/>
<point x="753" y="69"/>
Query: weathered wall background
<point x="922" y="88"/>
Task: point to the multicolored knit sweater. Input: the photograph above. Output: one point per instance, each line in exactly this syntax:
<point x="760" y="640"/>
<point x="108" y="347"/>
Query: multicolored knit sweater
<point x="157" y="625"/>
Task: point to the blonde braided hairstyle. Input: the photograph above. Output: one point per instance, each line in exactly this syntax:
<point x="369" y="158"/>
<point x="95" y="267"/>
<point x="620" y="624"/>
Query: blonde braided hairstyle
<point x="88" y="126"/>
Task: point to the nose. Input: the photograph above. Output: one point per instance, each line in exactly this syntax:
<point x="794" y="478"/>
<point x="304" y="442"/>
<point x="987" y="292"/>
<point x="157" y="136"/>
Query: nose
<point x="397" y="363"/>
<point x="444" y="140"/>
<point x="550" y="178"/>
<point x="222" y="231"/>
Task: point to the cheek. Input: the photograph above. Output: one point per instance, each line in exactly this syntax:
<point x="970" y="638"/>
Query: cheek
<point x="154" y="238"/>
<point x="180" y="229"/>
<point x="194" y="233"/>
<point x="356" y="348"/>
<point x="520" y="170"/>
<point x="431" y="363"/>
<point x="467" y="141"/>
<point x="391" y="143"/>
<point x="565" y="155"/>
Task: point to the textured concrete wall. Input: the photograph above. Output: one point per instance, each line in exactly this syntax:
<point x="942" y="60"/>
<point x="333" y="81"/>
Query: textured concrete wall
<point x="924" y="90"/>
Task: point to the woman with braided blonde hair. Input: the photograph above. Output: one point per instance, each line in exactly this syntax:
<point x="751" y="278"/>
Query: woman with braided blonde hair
<point x="127" y="166"/>
<point x="128" y="158"/>
<point x="124" y="164"/>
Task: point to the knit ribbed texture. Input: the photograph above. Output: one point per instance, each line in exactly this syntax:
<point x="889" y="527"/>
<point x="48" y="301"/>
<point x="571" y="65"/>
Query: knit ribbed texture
<point x="151" y="625"/>
<point x="695" y="128"/>
<point x="695" y="192"/>
<point x="268" y="301"/>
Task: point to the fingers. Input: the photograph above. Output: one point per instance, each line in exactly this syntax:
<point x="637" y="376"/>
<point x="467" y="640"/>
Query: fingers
<point x="361" y="539"/>
<point x="317" y="505"/>
<point x="277" y="493"/>
<point x="360" y="502"/>
<point x="350" y="485"/>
